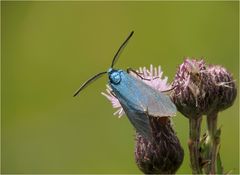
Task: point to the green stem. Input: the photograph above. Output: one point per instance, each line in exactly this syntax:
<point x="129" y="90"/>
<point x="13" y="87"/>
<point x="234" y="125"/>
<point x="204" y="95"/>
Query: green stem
<point x="193" y="144"/>
<point x="214" y="142"/>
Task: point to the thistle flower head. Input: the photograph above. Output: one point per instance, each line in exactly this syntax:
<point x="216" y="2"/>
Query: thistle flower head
<point x="201" y="89"/>
<point x="164" y="154"/>
<point x="152" y="77"/>
<point x="190" y="91"/>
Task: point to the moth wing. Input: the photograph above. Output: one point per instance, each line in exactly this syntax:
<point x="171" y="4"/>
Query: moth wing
<point x="155" y="102"/>
<point x="140" y="121"/>
<point x="159" y="104"/>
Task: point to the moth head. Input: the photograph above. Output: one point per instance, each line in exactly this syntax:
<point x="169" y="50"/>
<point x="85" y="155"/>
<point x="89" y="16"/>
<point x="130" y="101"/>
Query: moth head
<point x="114" y="76"/>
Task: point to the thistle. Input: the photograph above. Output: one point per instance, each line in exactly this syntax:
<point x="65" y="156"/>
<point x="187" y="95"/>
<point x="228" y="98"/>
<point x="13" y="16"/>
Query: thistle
<point x="225" y="92"/>
<point x="163" y="154"/>
<point x="189" y="95"/>
<point x="200" y="90"/>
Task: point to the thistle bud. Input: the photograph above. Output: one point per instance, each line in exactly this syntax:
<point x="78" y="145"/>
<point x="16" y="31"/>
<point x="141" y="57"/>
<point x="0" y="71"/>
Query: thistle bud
<point x="223" y="96"/>
<point x="162" y="155"/>
<point x="224" y="87"/>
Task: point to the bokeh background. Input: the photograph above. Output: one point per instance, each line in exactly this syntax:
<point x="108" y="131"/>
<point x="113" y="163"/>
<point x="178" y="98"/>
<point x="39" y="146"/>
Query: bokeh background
<point x="50" y="48"/>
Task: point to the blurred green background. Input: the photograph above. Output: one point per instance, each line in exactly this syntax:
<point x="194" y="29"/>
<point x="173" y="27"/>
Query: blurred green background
<point x="50" y="48"/>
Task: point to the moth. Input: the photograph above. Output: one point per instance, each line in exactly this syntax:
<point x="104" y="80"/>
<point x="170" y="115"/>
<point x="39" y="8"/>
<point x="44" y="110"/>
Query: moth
<point x="139" y="100"/>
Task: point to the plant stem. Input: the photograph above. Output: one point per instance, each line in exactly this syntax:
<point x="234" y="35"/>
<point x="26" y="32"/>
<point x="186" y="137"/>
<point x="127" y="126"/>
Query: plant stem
<point x="193" y="144"/>
<point x="214" y="141"/>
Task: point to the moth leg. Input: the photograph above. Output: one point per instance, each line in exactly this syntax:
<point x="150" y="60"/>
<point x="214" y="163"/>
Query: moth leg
<point x="129" y="70"/>
<point x="138" y="74"/>
<point x="169" y="90"/>
<point x="113" y="94"/>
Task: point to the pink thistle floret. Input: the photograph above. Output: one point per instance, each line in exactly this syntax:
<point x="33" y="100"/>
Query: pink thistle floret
<point x="153" y="78"/>
<point x="115" y="103"/>
<point x="189" y="68"/>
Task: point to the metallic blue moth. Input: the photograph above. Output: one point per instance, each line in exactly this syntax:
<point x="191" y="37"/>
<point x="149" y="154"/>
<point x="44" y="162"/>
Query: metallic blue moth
<point x="139" y="100"/>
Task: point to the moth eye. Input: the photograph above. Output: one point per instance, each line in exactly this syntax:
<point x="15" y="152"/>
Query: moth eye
<point x="115" y="77"/>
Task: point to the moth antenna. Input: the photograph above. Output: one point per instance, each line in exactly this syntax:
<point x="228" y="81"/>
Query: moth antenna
<point x="95" y="77"/>
<point x="115" y="58"/>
